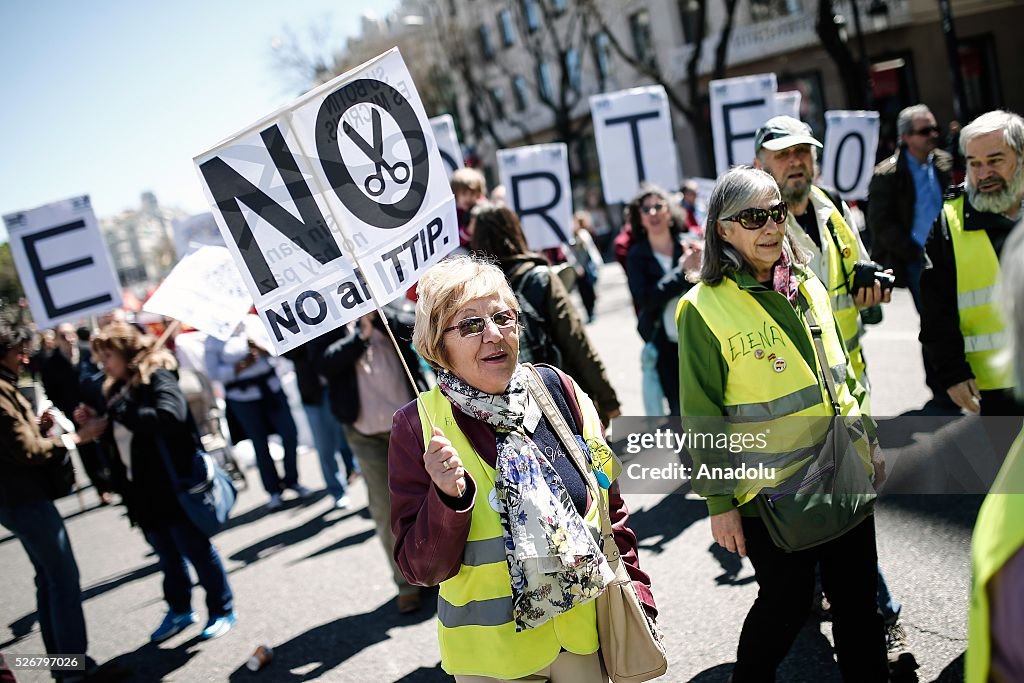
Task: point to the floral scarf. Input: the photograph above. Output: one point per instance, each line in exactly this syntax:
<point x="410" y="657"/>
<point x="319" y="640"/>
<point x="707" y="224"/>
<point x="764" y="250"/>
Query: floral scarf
<point x="784" y="280"/>
<point x="553" y="559"/>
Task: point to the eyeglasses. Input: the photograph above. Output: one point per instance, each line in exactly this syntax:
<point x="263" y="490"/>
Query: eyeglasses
<point x="754" y="219"/>
<point x="471" y="327"/>
<point x="927" y="131"/>
<point x="653" y="208"/>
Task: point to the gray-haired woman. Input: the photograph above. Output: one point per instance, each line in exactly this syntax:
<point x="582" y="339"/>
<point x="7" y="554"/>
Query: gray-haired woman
<point x="749" y="353"/>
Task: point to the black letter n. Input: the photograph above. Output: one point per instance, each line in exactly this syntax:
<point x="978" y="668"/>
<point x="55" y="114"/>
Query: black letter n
<point x="230" y="190"/>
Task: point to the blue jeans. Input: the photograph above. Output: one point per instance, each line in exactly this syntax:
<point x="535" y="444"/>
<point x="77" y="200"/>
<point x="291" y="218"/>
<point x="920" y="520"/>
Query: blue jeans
<point x="41" y="531"/>
<point x="257" y="417"/>
<point x="888" y="606"/>
<point x="329" y="438"/>
<point x="178" y="543"/>
<point x="654" y="399"/>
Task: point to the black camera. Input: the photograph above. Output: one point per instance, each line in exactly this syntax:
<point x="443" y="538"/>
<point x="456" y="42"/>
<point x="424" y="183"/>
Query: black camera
<point x="867" y="273"/>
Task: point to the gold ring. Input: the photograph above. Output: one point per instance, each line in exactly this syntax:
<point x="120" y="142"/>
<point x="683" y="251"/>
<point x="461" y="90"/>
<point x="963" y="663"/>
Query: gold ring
<point x="446" y="465"/>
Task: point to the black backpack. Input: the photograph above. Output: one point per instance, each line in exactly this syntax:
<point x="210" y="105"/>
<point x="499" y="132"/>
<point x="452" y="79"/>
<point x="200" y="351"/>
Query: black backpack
<point x="535" y="342"/>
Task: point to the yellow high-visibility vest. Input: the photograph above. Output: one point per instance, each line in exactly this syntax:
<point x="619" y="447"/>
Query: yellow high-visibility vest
<point x="998" y="536"/>
<point x="475" y="628"/>
<point x="770" y="386"/>
<point x="981" y="322"/>
<point x="842" y="258"/>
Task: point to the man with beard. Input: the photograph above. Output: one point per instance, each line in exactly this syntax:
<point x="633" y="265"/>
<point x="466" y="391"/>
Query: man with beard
<point x="820" y="224"/>
<point x="962" y="330"/>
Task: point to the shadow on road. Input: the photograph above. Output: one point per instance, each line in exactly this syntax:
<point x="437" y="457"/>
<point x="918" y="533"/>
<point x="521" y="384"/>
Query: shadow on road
<point x="329" y="645"/>
<point x="953" y="673"/>
<point x="154" y="663"/>
<point x="268" y="546"/>
<point x="732" y="565"/>
<point x="666" y="520"/>
<point x="22" y="626"/>
<point x="425" y="675"/>
<point x="354" y="539"/>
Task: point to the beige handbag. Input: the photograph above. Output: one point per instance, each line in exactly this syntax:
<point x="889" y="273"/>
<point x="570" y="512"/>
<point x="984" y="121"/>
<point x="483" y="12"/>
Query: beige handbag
<point x="631" y="645"/>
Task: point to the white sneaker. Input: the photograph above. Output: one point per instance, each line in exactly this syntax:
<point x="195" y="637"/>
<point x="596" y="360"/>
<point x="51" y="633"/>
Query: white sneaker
<point x="302" y="491"/>
<point x="274" y="502"/>
<point x="342" y="503"/>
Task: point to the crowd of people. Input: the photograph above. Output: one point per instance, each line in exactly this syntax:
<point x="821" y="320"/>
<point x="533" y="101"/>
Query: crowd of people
<point x="442" y="404"/>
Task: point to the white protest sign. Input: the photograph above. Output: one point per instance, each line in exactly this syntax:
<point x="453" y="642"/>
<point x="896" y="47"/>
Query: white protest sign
<point x="704" y="188"/>
<point x="537" y="178"/>
<point x="447" y="142"/>
<point x="787" y="103"/>
<point x="851" y="141"/>
<point x="63" y="262"/>
<point x="336" y="199"/>
<point x="194" y="231"/>
<point x="739" y="106"/>
<point x="204" y="290"/>
<point x="634" y="126"/>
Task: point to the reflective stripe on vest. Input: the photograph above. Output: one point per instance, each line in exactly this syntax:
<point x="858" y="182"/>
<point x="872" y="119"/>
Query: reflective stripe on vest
<point x="755" y="389"/>
<point x="998" y="536"/>
<point x="474" y="607"/>
<point x="981" y="322"/>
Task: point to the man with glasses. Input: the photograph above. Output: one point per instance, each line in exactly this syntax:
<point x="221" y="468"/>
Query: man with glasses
<point x="905" y="197"/>
<point x="819" y="223"/>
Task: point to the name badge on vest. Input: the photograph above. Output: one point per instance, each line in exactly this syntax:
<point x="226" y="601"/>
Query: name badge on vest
<point x="492" y="500"/>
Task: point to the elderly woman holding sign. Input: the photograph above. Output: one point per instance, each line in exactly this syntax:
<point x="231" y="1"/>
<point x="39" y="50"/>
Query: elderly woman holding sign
<point x="500" y="478"/>
<point x="791" y="382"/>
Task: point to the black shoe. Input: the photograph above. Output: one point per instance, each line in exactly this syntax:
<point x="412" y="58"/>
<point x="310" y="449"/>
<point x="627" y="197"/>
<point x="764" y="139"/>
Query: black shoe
<point x="897" y="646"/>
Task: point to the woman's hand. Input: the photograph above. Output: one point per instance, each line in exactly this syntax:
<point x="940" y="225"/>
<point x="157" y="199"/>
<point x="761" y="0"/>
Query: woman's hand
<point x="83" y="414"/>
<point x="444" y="465"/>
<point x="727" y="528"/>
<point x="878" y="465"/>
<point x="45" y="421"/>
<point x="92" y="429"/>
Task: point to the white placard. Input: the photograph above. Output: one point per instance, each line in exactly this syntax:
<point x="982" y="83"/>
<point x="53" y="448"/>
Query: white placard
<point x="633" y="132"/>
<point x="447" y="142"/>
<point x="704" y="188"/>
<point x="62" y="261"/>
<point x="334" y="198"/>
<point x="195" y="231"/>
<point x="204" y="290"/>
<point x="787" y="103"/>
<point x="739" y="106"/>
<point x="537" y="182"/>
<point x="851" y="142"/>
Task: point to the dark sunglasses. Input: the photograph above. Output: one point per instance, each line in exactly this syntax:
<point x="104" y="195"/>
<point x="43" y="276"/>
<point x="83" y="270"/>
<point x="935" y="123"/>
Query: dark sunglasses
<point x="653" y="208"/>
<point x="754" y="219"/>
<point x="928" y="131"/>
<point x="470" y="327"/>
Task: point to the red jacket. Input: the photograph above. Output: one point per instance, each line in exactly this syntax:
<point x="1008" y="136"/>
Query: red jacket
<point x="430" y="533"/>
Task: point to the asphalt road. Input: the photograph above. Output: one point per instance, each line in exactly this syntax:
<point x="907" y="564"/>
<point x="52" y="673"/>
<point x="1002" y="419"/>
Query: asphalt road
<point x="313" y="583"/>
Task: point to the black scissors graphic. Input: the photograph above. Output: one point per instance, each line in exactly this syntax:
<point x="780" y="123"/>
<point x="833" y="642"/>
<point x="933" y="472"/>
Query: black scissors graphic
<point x="399" y="171"/>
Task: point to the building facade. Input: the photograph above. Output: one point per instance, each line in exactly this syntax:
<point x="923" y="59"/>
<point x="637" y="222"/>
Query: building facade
<point x="141" y="243"/>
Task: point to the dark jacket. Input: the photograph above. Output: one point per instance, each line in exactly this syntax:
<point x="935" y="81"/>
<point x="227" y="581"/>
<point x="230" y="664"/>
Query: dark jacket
<point x="580" y="359"/>
<point x="307" y="360"/>
<point x="62" y="380"/>
<point x="651" y="287"/>
<point x="153" y="411"/>
<point x="940" y="321"/>
<point x="891" y="210"/>
<point x="430" y="534"/>
<point x="27" y="458"/>
<point x="339" y="360"/>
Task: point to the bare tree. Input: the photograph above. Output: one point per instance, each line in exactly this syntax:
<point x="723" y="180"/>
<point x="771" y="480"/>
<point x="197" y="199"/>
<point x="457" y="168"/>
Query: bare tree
<point x="851" y="72"/>
<point x="690" y="107"/>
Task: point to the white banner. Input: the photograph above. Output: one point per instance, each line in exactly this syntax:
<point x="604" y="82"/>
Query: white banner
<point x="537" y="182"/>
<point x="195" y="231"/>
<point x="63" y="262"/>
<point x="787" y="103"/>
<point x="851" y="142"/>
<point x="338" y="196"/>
<point x="739" y="106"/>
<point x="447" y="142"/>
<point x="204" y="290"/>
<point x="633" y="132"/>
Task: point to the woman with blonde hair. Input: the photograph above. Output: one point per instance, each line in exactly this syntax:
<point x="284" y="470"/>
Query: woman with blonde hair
<point x="143" y="396"/>
<point x="494" y="506"/>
